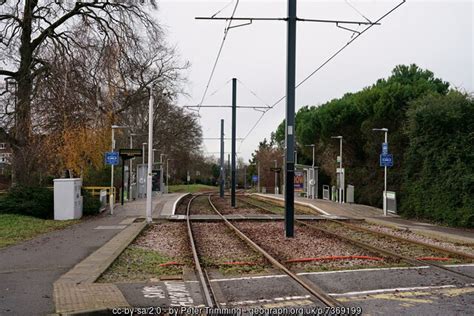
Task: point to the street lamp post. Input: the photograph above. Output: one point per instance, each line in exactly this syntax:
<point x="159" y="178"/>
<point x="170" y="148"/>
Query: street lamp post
<point x="143" y="149"/>
<point x="258" y="177"/>
<point x="150" y="154"/>
<point x="341" y="189"/>
<point x="112" y="195"/>
<point x="130" y="168"/>
<point x="167" y="174"/>
<point x="276" y="175"/>
<point x="385" y="130"/>
<point x="162" y="189"/>
<point x="312" y="168"/>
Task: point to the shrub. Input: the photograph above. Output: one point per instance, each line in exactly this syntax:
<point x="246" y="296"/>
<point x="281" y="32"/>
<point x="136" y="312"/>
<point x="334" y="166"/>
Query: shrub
<point x="33" y="201"/>
<point x="439" y="169"/>
<point x="91" y="204"/>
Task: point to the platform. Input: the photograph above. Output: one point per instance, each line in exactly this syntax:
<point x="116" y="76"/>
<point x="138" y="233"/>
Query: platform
<point x="248" y="217"/>
<point x="375" y="216"/>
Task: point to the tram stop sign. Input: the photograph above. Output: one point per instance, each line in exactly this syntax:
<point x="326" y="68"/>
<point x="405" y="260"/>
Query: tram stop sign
<point x="112" y="158"/>
<point x="129" y="153"/>
<point x="386" y="160"/>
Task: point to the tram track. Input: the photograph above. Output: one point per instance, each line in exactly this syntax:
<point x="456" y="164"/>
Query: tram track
<point x="203" y="277"/>
<point x="314" y="290"/>
<point x="385" y="252"/>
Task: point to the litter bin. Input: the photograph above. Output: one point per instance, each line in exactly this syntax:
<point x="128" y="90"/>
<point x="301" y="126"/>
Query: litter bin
<point x="350" y="194"/>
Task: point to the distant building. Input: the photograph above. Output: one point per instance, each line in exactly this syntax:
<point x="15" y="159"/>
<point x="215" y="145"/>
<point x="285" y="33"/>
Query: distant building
<point x="5" y="157"/>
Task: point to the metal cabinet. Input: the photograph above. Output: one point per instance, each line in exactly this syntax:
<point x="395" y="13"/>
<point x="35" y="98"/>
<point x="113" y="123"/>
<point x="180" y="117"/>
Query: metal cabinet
<point x="67" y="199"/>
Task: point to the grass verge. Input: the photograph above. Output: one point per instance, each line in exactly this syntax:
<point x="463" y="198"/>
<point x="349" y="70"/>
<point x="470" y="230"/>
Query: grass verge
<point x="191" y="188"/>
<point x="16" y="228"/>
<point x="138" y="264"/>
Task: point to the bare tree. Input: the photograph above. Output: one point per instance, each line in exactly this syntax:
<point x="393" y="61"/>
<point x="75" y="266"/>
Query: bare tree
<point x="110" y="35"/>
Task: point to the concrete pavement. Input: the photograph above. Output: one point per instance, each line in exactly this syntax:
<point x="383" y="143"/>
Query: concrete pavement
<point x="28" y="270"/>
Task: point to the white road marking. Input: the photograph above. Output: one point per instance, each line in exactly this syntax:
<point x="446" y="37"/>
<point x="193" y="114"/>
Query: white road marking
<point x="270" y="300"/>
<point x="178" y="294"/>
<point x="461" y="265"/>
<point x="321" y="272"/>
<point x="399" y="289"/>
<point x="153" y="292"/>
<point x="364" y="270"/>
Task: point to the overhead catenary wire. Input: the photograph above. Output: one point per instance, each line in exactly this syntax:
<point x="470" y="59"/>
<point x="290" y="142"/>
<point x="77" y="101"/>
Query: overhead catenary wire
<point x="355" y="9"/>
<point x="226" y="31"/>
<point x="253" y="93"/>
<point x="324" y="64"/>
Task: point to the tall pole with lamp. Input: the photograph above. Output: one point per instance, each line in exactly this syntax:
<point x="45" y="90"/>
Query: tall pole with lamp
<point x="276" y="177"/>
<point x="312" y="170"/>
<point x="385" y="130"/>
<point x="162" y="189"/>
<point x="341" y="175"/>
<point x="150" y="157"/>
<point x="167" y="174"/>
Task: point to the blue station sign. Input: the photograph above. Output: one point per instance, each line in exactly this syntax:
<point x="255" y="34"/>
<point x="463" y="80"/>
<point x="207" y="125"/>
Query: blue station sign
<point x="386" y="160"/>
<point x="112" y="158"/>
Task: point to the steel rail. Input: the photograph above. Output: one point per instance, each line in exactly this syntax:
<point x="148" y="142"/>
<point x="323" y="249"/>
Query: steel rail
<point x="311" y="288"/>
<point x="385" y="252"/>
<point x="205" y="284"/>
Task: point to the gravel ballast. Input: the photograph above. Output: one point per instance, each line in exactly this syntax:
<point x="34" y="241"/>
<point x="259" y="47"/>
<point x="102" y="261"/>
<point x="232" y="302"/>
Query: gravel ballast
<point x="223" y="205"/>
<point x="217" y="244"/>
<point x="406" y="249"/>
<point x="404" y="233"/>
<point x="168" y="238"/>
<point x="307" y="243"/>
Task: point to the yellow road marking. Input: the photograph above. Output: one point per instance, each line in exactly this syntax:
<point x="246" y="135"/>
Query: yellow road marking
<point x="457" y="292"/>
<point x="408" y="297"/>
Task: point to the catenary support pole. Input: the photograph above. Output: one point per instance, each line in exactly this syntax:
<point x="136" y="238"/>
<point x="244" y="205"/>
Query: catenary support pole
<point x="222" y="173"/>
<point x="234" y="131"/>
<point x="290" y="120"/>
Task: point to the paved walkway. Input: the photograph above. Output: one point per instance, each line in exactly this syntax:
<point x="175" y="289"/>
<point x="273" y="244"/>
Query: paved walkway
<point x="163" y="204"/>
<point x="375" y="215"/>
<point x="332" y="208"/>
<point x="29" y="269"/>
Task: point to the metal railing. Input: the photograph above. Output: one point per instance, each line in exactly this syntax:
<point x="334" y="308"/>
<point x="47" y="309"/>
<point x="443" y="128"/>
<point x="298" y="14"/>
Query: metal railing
<point x="95" y="191"/>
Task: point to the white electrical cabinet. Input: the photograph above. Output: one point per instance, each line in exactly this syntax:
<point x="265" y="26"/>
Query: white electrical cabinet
<point x="67" y="199"/>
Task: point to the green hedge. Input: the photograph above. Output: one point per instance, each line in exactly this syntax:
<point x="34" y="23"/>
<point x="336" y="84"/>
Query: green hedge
<point x="439" y="161"/>
<point x="39" y="202"/>
<point x="33" y="201"/>
<point x="91" y="204"/>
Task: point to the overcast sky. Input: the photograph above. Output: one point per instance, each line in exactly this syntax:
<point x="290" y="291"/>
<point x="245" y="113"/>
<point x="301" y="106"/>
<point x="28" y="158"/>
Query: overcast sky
<point x="437" y="35"/>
